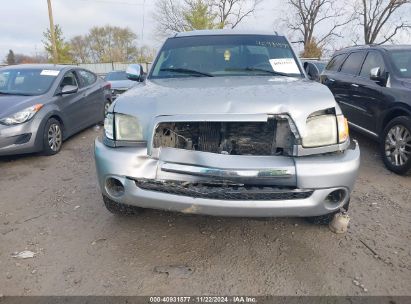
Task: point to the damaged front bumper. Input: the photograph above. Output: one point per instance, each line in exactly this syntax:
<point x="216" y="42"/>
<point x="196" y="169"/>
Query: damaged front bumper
<point x="227" y="185"/>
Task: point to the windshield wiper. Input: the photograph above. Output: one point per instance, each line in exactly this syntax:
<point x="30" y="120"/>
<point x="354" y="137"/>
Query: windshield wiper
<point x="251" y="69"/>
<point x="187" y="71"/>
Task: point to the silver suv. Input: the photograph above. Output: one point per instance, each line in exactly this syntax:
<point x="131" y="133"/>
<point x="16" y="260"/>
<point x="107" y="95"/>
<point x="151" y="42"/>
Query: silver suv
<point x="227" y="124"/>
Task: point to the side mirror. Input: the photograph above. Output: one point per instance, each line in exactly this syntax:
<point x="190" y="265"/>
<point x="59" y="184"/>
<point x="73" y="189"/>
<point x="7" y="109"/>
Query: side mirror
<point x="69" y="89"/>
<point x="312" y="71"/>
<point x="135" y="72"/>
<point x="376" y="75"/>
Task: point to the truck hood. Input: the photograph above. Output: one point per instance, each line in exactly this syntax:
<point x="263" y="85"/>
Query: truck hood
<point x="10" y="104"/>
<point x="226" y="95"/>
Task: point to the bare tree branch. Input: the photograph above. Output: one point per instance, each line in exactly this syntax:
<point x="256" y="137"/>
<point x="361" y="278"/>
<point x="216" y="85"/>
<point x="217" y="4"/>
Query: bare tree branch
<point x="381" y="18"/>
<point x="172" y="15"/>
<point x="309" y="15"/>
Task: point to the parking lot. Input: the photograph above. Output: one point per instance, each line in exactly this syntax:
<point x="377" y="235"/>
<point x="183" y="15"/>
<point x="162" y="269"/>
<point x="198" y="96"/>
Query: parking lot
<point x="52" y="206"/>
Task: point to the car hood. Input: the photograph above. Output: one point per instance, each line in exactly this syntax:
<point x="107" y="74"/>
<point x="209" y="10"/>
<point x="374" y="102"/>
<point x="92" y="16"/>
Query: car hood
<point x="227" y="95"/>
<point x="10" y="104"/>
<point x="122" y="84"/>
<point x="406" y="82"/>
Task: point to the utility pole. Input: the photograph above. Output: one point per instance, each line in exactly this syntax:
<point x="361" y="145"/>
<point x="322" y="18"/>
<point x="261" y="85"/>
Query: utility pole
<point x="144" y="13"/>
<point x="52" y="32"/>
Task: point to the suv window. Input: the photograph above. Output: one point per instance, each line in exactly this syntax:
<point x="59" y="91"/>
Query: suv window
<point x="353" y="63"/>
<point x="402" y="62"/>
<point x="87" y="78"/>
<point x="373" y="60"/>
<point x="335" y="62"/>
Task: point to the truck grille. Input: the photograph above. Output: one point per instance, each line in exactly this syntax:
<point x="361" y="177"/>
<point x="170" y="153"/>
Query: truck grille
<point x="223" y="192"/>
<point x="272" y="137"/>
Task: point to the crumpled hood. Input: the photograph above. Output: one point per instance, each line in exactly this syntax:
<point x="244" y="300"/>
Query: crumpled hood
<point x="226" y="95"/>
<point x="122" y="84"/>
<point x="10" y="104"/>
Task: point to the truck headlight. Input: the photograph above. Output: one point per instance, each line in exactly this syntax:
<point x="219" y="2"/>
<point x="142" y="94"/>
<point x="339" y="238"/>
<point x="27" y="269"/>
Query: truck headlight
<point x="22" y="116"/>
<point x="127" y="128"/>
<point x="325" y="130"/>
<point x="321" y="131"/>
<point x="109" y="126"/>
<point x="122" y="127"/>
<point x="343" y="130"/>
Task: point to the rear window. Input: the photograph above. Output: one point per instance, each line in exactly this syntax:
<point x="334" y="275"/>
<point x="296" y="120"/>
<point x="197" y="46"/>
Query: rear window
<point x="353" y="63"/>
<point x="335" y="63"/>
<point x="87" y="77"/>
<point x="113" y="76"/>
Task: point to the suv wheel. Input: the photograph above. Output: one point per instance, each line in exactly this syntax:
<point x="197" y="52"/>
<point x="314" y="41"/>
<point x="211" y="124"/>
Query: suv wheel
<point x="120" y="209"/>
<point x="396" y="145"/>
<point x="52" y="137"/>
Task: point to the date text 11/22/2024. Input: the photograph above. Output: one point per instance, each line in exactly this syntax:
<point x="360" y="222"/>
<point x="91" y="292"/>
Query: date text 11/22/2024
<point x="203" y="299"/>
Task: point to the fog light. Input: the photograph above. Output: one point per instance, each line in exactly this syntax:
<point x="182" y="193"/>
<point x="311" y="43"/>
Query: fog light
<point x="114" y="187"/>
<point x="336" y="197"/>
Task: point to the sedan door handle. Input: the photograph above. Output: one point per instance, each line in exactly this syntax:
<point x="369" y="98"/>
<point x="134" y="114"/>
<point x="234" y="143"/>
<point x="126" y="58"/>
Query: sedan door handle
<point x="354" y="85"/>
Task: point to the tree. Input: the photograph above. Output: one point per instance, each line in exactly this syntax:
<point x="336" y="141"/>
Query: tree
<point x="63" y="48"/>
<point x="183" y="15"/>
<point x="317" y="21"/>
<point x="10" y="59"/>
<point x="231" y="12"/>
<point x="80" y="49"/>
<point x="312" y="50"/>
<point x="381" y="20"/>
<point x="111" y="44"/>
<point x="198" y="16"/>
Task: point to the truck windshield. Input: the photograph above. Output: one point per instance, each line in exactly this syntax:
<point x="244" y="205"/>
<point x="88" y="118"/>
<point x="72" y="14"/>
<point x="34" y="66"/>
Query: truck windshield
<point x="226" y="55"/>
<point x="402" y="62"/>
<point x="26" y="81"/>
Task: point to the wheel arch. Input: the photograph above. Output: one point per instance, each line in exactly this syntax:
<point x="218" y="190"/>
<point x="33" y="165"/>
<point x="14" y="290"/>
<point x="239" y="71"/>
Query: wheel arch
<point x="400" y="110"/>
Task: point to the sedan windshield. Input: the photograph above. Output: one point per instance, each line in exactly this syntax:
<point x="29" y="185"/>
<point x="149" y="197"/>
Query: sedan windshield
<point x="114" y="76"/>
<point x="226" y="55"/>
<point x="26" y="81"/>
<point x="402" y="62"/>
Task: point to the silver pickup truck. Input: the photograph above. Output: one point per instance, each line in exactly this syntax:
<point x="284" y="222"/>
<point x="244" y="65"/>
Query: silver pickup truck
<point x="226" y="123"/>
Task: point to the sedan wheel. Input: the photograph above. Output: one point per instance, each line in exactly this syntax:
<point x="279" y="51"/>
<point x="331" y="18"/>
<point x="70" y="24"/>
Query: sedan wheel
<point x="397" y="145"/>
<point x="52" y="137"/>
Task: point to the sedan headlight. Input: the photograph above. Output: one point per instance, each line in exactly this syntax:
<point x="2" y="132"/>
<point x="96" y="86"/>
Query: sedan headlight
<point x="325" y="130"/>
<point x="22" y="116"/>
<point x="122" y="127"/>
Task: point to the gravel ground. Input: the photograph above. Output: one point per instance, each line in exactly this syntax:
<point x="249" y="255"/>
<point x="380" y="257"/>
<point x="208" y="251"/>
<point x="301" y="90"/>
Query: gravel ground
<point x="52" y="206"/>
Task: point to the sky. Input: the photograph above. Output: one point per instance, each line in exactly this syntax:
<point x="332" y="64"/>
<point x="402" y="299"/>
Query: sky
<point x="24" y="21"/>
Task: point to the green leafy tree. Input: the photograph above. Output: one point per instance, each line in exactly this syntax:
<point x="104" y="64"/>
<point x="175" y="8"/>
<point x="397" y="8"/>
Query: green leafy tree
<point x="11" y="58"/>
<point x="63" y="47"/>
<point x="198" y="16"/>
